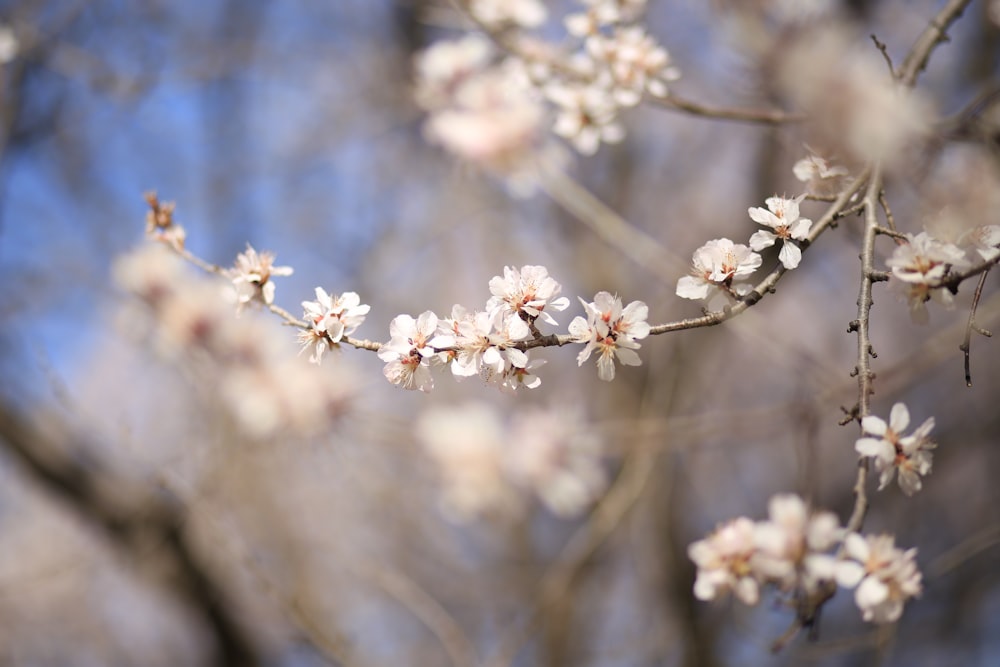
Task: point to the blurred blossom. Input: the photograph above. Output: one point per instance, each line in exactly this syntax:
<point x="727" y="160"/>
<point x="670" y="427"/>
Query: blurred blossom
<point x="724" y="561"/>
<point x="487" y="465"/>
<point x="852" y="102"/>
<point x="9" y="44"/>
<point x="246" y="361"/>
<point x="554" y="453"/>
<point x="498" y="14"/>
<point x="586" y="115"/>
<point x="917" y="264"/>
<point x="891" y="450"/>
<point x="467" y="444"/>
<point x="793" y="544"/>
<point x="885" y="577"/>
<point x="487" y="114"/>
<point x="821" y="175"/>
<point x="637" y="64"/>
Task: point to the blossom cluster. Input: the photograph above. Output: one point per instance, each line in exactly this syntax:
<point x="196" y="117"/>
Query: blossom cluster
<point x="492" y="110"/>
<point x="721" y="267"/>
<point x="258" y="379"/>
<point x="486" y="464"/>
<point x="491" y="342"/>
<point x="922" y="261"/>
<point x="803" y="552"/>
<point x="251" y="276"/>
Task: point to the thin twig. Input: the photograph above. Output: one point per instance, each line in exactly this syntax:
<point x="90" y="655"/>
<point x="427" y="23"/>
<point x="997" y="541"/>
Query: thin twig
<point x="761" y="116"/>
<point x="885" y="54"/>
<point x="972" y="326"/>
<point x="934" y="34"/>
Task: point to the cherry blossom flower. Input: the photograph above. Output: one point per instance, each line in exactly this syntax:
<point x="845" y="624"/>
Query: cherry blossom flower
<point x="717" y="266"/>
<point x="487" y="114"/>
<point x="636" y="62"/>
<point x="601" y="13"/>
<point x="916" y="264"/>
<point x="724" y="561"/>
<point x="792" y="544"/>
<point x="587" y="115"/>
<point x="252" y="274"/>
<point x="330" y="318"/>
<point x="885" y="577"/>
<point x="612" y="331"/>
<point x="549" y="451"/>
<point x="409" y="352"/>
<point x="527" y="292"/>
<point x="983" y="240"/>
<point x="781" y="215"/>
<point x="820" y="175"/>
<point x="891" y="450"/>
<point x="484" y="344"/>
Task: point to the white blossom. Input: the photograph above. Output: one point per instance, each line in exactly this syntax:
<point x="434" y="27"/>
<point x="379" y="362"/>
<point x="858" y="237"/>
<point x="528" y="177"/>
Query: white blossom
<point x="917" y="264"/>
<point x="467" y="443"/>
<point x="885" y="577"/>
<point x="821" y="176"/>
<point x="612" y="331"/>
<point x="330" y="318"/>
<point x="636" y="62"/>
<point x="724" y="561"/>
<point x="526" y="292"/>
<point x="718" y="266"/>
<point x="891" y="450"/>
<point x="252" y="274"/>
<point x="781" y="215"/>
<point x="409" y="352"/>
<point x="497" y="14"/>
<point x="587" y="115"/>
<point x="792" y="544"/>
<point x="983" y="240"/>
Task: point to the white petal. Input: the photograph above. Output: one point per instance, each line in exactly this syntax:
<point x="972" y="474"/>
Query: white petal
<point x="790" y="255"/>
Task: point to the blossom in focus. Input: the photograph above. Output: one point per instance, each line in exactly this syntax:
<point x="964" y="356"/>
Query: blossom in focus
<point x="885" y="577"/>
<point x="891" y="450"/>
<point x="717" y="267"/>
<point x="409" y="352"/>
<point x="330" y="318"/>
<point x="782" y="216"/>
<point x="612" y="331"/>
<point x="526" y="292"/>
<point x="724" y="561"/>
<point x="252" y="274"/>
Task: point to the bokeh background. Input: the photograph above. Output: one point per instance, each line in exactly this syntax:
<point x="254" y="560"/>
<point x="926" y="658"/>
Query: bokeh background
<point x="291" y="125"/>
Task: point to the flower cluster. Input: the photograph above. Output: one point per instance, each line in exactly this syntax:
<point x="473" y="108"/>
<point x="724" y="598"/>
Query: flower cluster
<point x="490" y="110"/>
<point x="492" y="343"/>
<point x="486" y="463"/>
<point x="891" y="450"/>
<point x="612" y="331"/>
<point x="252" y="275"/>
<point x="924" y="260"/>
<point x="246" y="360"/>
<point x="484" y="112"/>
<point x="795" y="551"/>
